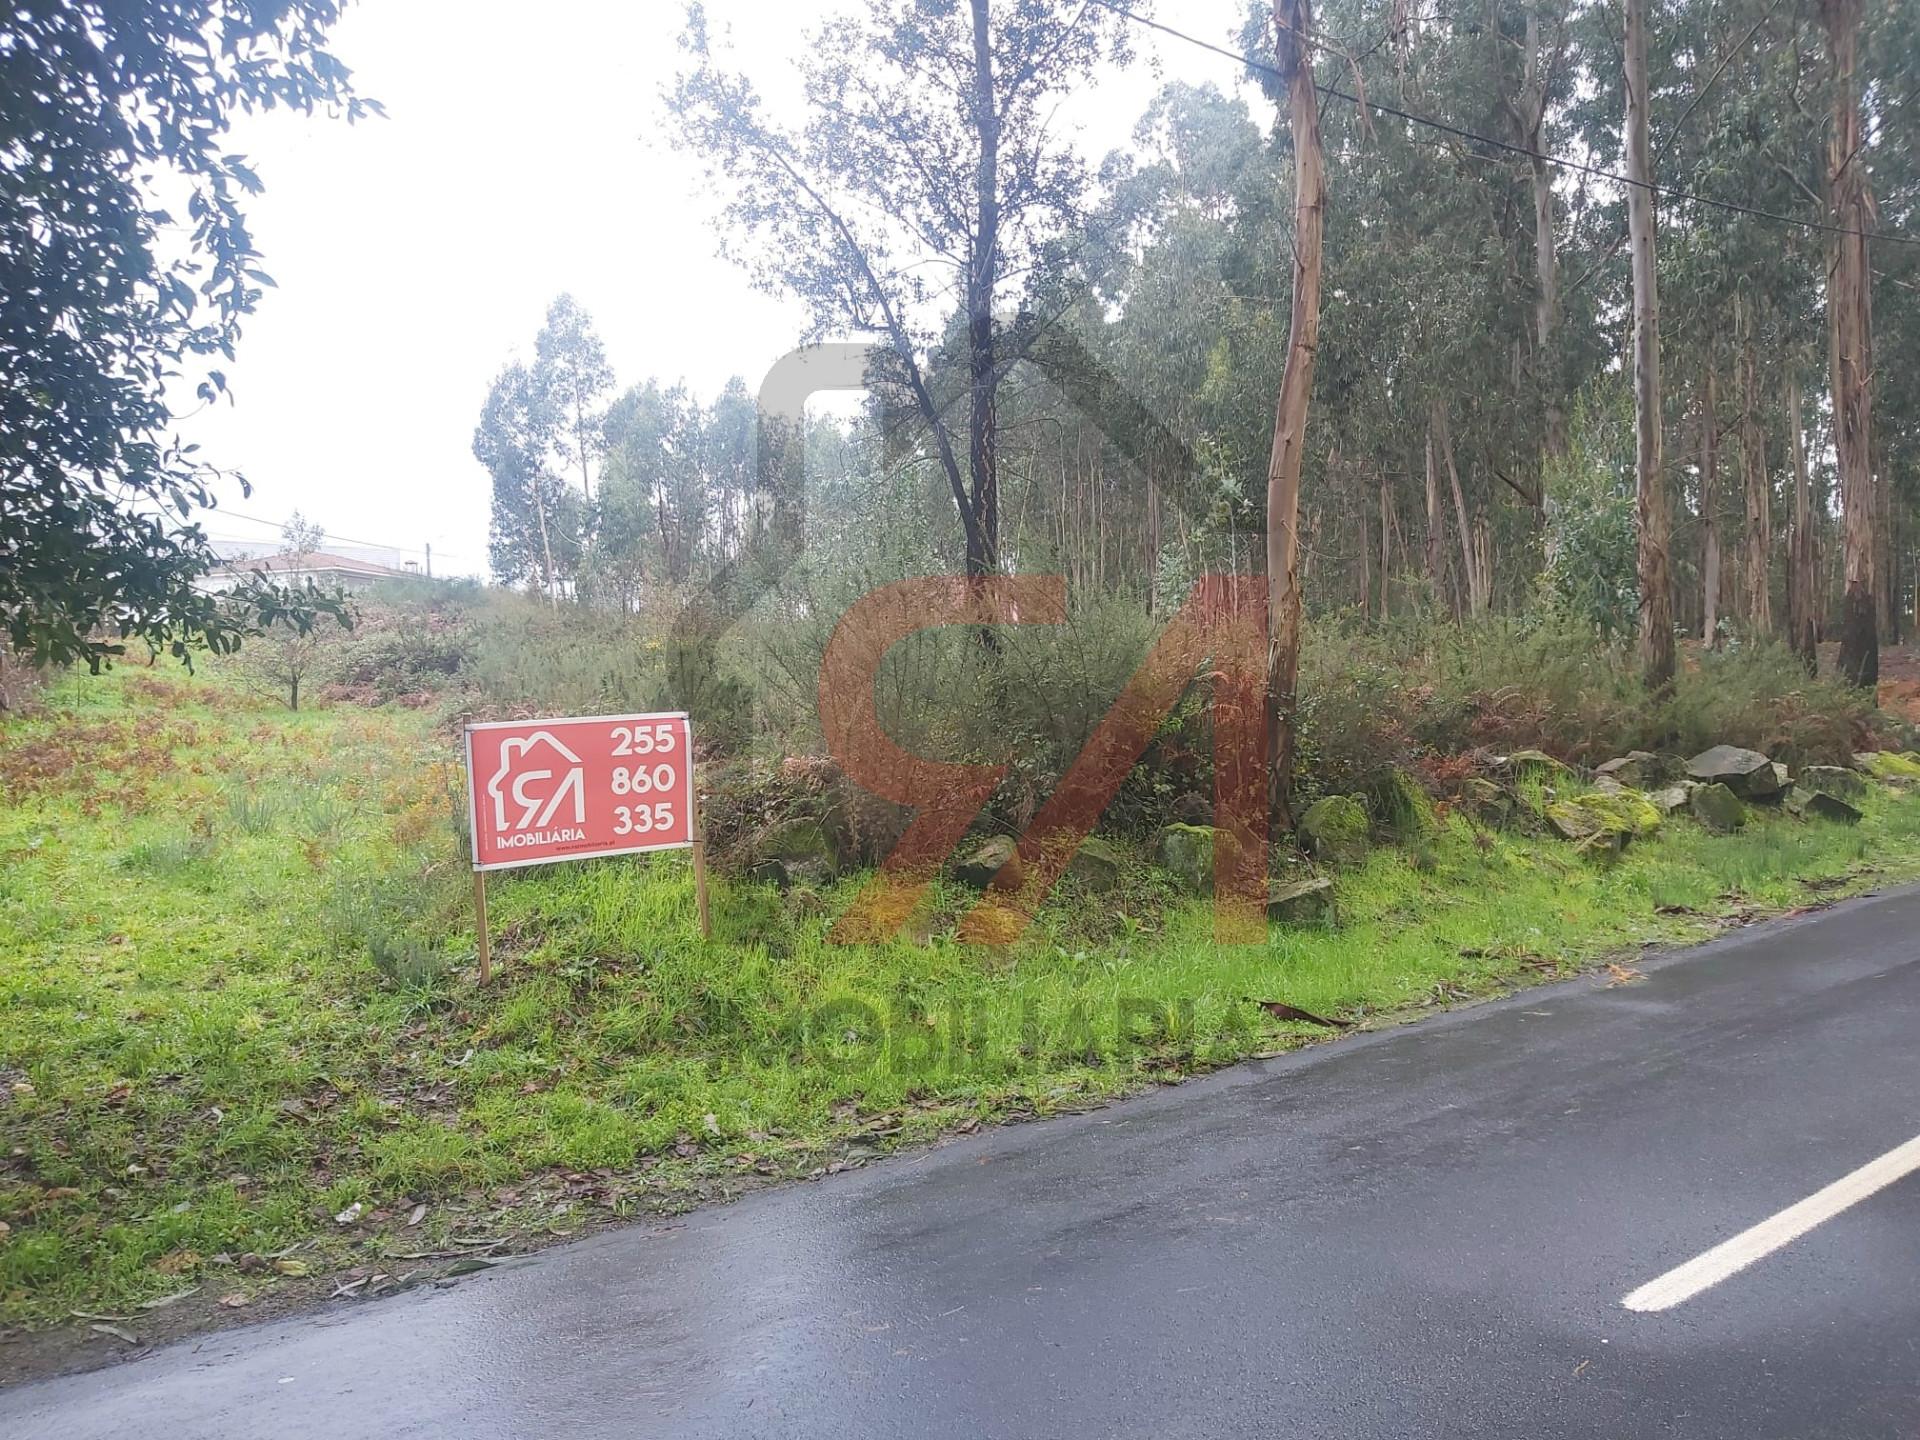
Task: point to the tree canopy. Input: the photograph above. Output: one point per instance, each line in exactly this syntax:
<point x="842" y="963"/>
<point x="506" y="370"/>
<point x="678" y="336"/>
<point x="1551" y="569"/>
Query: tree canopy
<point x="111" y="298"/>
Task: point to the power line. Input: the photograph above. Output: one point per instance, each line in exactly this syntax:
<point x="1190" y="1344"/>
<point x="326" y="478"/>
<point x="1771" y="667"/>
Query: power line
<point x="332" y="535"/>
<point x="1561" y="162"/>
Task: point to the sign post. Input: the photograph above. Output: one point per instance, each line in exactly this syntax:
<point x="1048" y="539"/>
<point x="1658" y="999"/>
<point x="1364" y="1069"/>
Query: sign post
<point x="480" y="926"/>
<point x="577" y="788"/>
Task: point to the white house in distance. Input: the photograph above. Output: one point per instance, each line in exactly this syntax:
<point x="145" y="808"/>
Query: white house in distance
<point x="323" y="567"/>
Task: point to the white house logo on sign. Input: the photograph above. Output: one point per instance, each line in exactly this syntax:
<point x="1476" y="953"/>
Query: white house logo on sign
<point x="538" y="793"/>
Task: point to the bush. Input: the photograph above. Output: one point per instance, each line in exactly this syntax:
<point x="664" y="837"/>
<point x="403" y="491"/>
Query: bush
<point x="401" y="655"/>
<point x="1425" y="691"/>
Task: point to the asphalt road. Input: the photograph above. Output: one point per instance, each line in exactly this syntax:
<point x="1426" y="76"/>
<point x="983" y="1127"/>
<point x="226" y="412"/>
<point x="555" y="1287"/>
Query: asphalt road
<point x="1425" y="1232"/>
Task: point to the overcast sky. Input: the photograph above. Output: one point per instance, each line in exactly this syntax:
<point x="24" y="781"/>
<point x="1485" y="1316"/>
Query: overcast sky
<point x="522" y="155"/>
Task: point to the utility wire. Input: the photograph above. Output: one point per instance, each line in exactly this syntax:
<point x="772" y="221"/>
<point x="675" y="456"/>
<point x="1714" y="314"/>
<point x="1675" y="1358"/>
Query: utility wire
<point x="1556" y="160"/>
<point x="331" y="535"/>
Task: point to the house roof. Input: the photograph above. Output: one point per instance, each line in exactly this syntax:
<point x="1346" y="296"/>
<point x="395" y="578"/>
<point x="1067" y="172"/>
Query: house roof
<point x="313" y="561"/>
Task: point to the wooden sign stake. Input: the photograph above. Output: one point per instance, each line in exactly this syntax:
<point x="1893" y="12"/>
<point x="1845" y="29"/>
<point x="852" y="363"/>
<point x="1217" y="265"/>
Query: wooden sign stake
<point x="480" y="926"/>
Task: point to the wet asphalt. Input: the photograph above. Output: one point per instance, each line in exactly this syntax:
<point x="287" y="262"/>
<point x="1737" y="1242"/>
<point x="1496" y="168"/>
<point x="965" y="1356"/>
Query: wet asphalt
<point x="1420" y="1232"/>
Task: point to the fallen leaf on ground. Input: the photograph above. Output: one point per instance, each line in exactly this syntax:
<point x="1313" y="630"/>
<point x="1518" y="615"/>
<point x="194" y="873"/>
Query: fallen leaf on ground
<point x="1622" y="974"/>
<point x="163" y="1301"/>
<point x="234" y="1301"/>
<point x="117" y="1332"/>
<point x="419" y="1214"/>
<point x="295" y="1268"/>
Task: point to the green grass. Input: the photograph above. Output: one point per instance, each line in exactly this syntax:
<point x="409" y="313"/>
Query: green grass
<point x="236" y="996"/>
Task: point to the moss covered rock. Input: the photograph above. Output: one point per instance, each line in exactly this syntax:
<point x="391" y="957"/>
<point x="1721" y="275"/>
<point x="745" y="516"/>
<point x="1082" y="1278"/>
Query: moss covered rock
<point x="1718" y="808"/>
<point x="1096" y="865"/>
<point x="1186" y="853"/>
<point x="1301" y="902"/>
<point x="1669" y="799"/>
<point x="986" y="860"/>
<point x="1895" y="767"/>
<point x="1404" y="808"/>
<point x="1604" y="820"/>
<point x="1747" y="773"/>
<point x="794" y="852"/>
<point x="1334" y="829"/>
<point x="1487" y="802"/>
<point x="1818" y="805"/>
<point x="1832" y="780"/>
<point x="1640" y="770"/>
<point x="1536" y="764"/>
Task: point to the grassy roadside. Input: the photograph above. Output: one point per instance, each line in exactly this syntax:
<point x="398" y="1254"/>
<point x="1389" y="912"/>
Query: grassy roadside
<point x="242" y="1059"/>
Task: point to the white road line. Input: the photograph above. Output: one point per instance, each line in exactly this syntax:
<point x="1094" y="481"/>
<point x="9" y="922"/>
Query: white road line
<point x="1703" y="1272"/>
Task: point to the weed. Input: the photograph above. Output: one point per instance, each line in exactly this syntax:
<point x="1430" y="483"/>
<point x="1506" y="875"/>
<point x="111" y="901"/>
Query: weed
<point x="252" y="813"/>
<point x="170" y="855"/>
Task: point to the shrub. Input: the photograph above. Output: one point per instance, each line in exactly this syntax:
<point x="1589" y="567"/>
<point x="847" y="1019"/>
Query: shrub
<point x="397" y="655"/>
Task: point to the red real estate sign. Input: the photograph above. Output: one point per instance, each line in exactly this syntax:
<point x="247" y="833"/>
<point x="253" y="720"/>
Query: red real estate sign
<point x="572" y="789"/>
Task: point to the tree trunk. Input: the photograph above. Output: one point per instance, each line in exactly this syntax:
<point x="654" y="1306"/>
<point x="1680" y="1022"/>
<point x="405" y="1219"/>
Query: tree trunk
<point x="1293" y="20"/>
<point x="580" y="443"/>
<point x="1532" y="114"/>
<point x="1801" y="594"/>
<point x="1472" y="579"/>
<point x="1436" y="519"/>
<point x="546" y="545"/>
<point x="983" y="537"/>
<point x="1386" y="542"/>
<point x="1154" y="540"/>
<point x="1886" y="568"/>
<point x="1850" y="343"/>
<point x="1710" y="514"/>
<point x="1758" y="484"/>
<point x="1656" y="598"/>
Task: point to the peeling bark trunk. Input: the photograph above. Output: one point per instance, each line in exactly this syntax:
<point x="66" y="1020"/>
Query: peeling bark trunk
<point x="1532" y="114"/>
<point x="983" y="537"/>
<point x="546" y="545"/>
<point x="1801" y="601"/>
<point x="1386" y="542"/>
<point x="1886" y="567"/>
<point x="1366" y="565"/>
<point x="1850" y="344"/>
<point x="1654" y="522"/>
<point x="1483" y="559"/>
<point x="1758" y="485"/>
<point x="1293" y="21"/>
<point x="1710" y="515"/>
<point x="1472" y="578"/>
<point x="1153" y="540"/>
<point x="1436" y="521"/>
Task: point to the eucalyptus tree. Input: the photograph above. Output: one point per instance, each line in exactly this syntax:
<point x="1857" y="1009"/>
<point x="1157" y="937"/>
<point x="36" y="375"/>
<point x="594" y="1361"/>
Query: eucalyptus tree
<point x="1850" y="328"/>
<point x="571" y="372"/>
<point x="1890" y="53"/>
<point x="926" y="190"/>
<point x="1653" y="518"/>
<point x="1295" y="42"/>
<point x="534" y="531"/>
